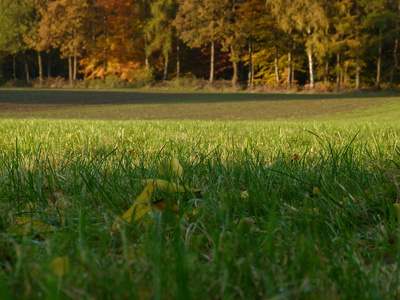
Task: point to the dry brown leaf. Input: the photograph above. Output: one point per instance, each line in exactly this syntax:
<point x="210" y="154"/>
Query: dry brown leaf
<point x="294" y="158"/>
<point x="57" y="198"/>
<point x="162" y="205"/>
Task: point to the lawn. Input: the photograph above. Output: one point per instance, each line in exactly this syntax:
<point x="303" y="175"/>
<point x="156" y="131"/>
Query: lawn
<point x="146" y="105"/>
<point x="305" y="207"/>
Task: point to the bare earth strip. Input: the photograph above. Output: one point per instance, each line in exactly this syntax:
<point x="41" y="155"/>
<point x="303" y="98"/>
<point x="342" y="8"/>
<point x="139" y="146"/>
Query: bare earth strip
<point x="125" y="105"/>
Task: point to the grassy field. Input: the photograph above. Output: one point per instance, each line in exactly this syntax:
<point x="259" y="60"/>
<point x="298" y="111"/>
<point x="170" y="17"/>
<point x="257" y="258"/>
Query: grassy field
<point x="146" y="105"/>
<point x="302" y="208"/>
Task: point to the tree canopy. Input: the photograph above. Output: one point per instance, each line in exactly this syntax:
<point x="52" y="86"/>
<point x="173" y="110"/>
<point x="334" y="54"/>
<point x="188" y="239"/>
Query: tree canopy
<point x="346" y="43"/>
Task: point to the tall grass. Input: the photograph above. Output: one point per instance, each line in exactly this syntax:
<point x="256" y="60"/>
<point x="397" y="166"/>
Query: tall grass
<point x="267" y="223"/>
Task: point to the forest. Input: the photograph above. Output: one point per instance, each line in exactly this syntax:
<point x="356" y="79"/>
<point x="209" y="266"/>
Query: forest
<point x="273" y="43"/>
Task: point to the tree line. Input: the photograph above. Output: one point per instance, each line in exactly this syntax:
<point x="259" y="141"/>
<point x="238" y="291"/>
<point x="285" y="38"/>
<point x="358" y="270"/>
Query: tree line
<point x="347" y="43"/>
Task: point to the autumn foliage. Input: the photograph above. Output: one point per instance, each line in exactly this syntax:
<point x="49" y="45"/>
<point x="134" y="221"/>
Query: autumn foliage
<point x="278" y="43"/>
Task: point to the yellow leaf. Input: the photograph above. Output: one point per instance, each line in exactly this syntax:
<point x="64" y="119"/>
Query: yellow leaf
<point x="140" y="207"/>
<point x="27" y="225"/>
<point x="172" y="167"/>
<point x="244" y="194"/>
<point x="190" y="214"/>
<point x="165" y="185"/>
<point x="60" y="266"/>
<point x="316" y="191"/>
<point x="30" y="206"/>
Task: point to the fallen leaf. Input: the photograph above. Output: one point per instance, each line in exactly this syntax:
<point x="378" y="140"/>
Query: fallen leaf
<point x="294" y="158"/>
<point x="27" y="225"/>
<point x="132" y="151"/>
<point x="57" y="198"/>
<point x="316" y="191"/>
<point x="30" y="206"/>
<point x="60" y="266"/>
<point x="190" y="214"/>
<point x="171" y="167"/>
<point x="244" y="194"/>
<point x="140" y="207"/>
<point x="162" y="206"/>
<point x="165" y="185"/>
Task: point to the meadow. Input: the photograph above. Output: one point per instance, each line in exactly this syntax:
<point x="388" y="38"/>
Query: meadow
<point x="274" y="196"/>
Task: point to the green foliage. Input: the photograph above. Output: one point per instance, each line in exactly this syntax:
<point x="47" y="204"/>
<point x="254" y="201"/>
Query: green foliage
<point x="16" y="18"/>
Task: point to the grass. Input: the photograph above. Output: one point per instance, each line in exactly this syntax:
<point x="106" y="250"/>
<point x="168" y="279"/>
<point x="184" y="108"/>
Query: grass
<point x="266" y="224"/>
<point x="146" y="105"/>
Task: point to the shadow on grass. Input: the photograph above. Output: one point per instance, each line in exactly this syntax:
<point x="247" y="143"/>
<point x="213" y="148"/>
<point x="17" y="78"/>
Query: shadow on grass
<point x="101" y="97"/>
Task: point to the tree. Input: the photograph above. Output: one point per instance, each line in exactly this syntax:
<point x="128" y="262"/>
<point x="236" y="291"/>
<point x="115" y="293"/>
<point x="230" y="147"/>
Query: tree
<point x="311" y="19"/>
<point x="62" y="24"/>
<point x="284" y="14"/>
<point x="161" y="29"/>
<point x="377" y="19"/>
<point x="247" y="27"/>
<point x="116" y="40"/>
<point x="198" y="22"/>
<point x="16" y="20"/>
<point x="396" y="45"/>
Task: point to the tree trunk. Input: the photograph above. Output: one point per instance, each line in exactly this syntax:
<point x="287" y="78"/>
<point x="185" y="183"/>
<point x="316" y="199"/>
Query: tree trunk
<point x="358" y="72"/>
<point x="165" y="67"/>
<point x="212" y="66"/>
<point x="235" y="66"/>
<point x="379" y="62"/>
<point x="290" y="66"/>
<point x="358" y="42"/>
<point x="235" y="73"/>
<point x="75" y="70"/>
<point x="311" y="69"/>
<point x="28" y="78"/>
<point x="103" y="76"/>
<point x="338" y="71"/>
<point x="49" y="64"/>
<point x="178" y="58"/>
<point x="146" y="61"/>
<point x="40" y="69"/>
<point x="276" y="59"/>
<point x="326" y="77"/>
<point x="70" y="71"/>
<point x="250" y="76"/>
<point x="292" y="77"/>
<point x="396" y="63"/>
<point x="310" y="62"/>
<point x="396" y="45"/>
<point x="14" y="65"/>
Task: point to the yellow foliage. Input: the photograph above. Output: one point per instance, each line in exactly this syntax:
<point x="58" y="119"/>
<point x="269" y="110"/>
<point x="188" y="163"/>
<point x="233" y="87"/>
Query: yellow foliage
<point x="172" y="167"/>
<point x="27" y="225"/>
<point x="60" y="266"/>
<point x="140" y="207"/>
<point x="165" y="185"/>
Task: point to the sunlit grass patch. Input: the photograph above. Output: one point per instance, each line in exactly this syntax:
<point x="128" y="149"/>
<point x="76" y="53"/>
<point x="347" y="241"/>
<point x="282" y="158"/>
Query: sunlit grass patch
<point x="237" y="209"/>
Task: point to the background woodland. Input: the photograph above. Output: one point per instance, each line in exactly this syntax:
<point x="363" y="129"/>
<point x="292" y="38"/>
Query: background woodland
<point x="273" y="43"/>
